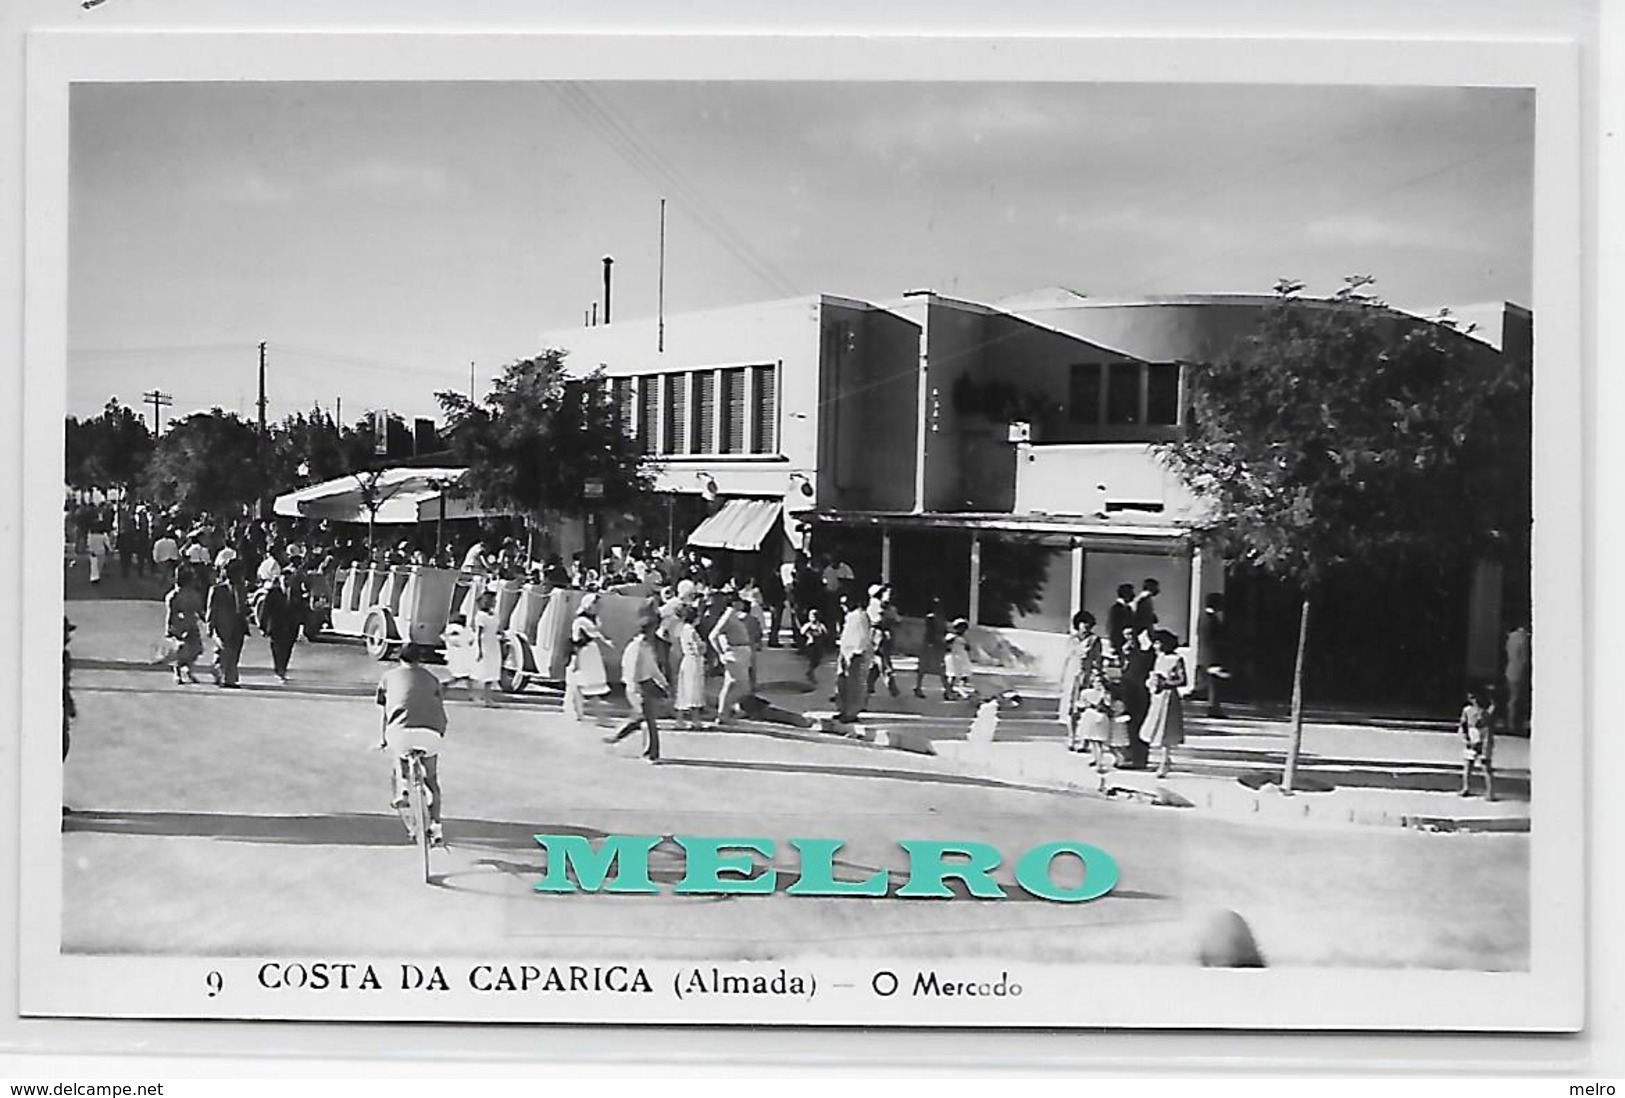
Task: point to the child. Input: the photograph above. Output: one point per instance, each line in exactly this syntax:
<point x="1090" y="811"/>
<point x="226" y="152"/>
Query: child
<point x="956" y="660"/>
<point x="459" y="641"/>
<point x="1477" y="727"/>
<point x="814" y="636"/>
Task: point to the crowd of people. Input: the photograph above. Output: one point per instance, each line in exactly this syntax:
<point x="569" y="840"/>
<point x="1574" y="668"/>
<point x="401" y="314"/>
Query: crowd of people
<point x="1120" y="695"/>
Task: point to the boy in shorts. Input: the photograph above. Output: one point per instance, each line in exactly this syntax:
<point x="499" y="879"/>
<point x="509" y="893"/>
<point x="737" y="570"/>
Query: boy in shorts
<point x="1477" y="727"/>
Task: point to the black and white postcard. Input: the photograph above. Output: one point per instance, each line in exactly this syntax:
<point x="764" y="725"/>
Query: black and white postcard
<point x="1021" y="534"/>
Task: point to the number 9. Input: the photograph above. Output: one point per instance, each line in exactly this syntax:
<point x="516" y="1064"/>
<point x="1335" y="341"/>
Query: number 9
<point x="215" y="983"/>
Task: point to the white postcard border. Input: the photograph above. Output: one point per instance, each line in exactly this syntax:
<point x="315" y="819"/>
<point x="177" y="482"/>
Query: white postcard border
<point x="1549" y="997"/>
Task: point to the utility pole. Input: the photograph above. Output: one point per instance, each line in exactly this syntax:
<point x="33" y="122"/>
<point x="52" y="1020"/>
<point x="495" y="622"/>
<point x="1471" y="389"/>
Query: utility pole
<point x="338" y="413"/>
<point x="471" y="382"/>
<point x="259" y="444"/>
<point x="660" y="292"/>
<point x="158" y="400"/>
<point x="262" y="389"/>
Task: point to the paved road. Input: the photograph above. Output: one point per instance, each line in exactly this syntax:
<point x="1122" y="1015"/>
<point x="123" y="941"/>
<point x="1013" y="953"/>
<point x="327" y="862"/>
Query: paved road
<point x="257" y="822"/>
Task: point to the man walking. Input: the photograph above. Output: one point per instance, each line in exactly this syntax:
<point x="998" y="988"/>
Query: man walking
<point x="166" y="554"/>
<point x="1120" y="618"/>
<point x="856" y="653"/>
<point x="1145" y="611"/>
<point x="646" y="685"/>
<point x="226" y="616"/>
<point x="98" y="544"/>
<point x="282" y="612"/>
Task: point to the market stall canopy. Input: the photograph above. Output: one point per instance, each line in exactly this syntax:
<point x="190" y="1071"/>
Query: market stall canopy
<point x="740" y="525"/>
<point x="403" y="495"/>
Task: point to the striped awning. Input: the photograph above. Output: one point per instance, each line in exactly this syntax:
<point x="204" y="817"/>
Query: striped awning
<point x="740" y="525"/>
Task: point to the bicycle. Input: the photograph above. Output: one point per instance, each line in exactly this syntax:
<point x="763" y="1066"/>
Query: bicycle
<point x="415" y="811"/>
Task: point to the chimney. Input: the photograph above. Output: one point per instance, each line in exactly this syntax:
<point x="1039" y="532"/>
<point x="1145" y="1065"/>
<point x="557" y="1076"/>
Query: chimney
<point x="609" y="261"/>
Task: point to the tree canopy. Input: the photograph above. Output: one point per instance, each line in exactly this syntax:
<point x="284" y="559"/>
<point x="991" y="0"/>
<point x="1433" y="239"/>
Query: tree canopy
<point x="537" y="439"/>
<point x="1344" y="432"/>
<point x="209" y="461"/>
<point x="110" y="450"/>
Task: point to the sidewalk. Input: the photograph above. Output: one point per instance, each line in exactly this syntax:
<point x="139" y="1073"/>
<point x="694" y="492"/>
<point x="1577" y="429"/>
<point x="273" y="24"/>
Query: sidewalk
<point x="1354" y="769"/>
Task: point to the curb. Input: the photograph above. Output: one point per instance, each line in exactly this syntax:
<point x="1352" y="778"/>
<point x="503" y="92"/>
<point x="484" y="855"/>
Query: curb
<point x="1227" y="798"/>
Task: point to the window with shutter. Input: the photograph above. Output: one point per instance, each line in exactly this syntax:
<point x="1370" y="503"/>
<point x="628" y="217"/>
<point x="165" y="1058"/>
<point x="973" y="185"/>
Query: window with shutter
<point x="649" y="419"/>
<point x="620" y="389"/>
<point x="705" y="412"/>
<point x="765" y="414"/>
<point x="733" y="412"/>
<point x="676" y="440"/>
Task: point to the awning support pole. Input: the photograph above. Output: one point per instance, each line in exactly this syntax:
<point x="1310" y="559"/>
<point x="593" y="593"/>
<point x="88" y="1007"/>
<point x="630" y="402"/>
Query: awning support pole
<point x="1191" y="630"/>
<point x="975" y="578"/>
<point x="1077" y="580"/>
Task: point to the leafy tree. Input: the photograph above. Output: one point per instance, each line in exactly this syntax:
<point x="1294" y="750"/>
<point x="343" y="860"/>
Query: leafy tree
<point x="312" y="441"/>
<point x="1343" y="433"/>
<point x="110" y="450"/>
<point x="209" y="461"/>
<point x="78" y="442"/>
<point x="536" y="440"/>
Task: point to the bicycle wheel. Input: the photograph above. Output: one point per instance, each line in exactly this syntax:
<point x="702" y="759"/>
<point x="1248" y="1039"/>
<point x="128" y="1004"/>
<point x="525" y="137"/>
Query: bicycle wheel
<point x="420" y="796"/>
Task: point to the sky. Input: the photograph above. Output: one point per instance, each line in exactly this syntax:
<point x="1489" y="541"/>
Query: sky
<point x="381" y="238"/>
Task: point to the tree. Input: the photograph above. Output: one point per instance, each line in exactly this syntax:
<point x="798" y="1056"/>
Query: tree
<point x="209" y="461"/>
<point x="110" y="450"/>
<point x="313" y="442"/>
<point x="1343" y="433"/>
<point x="539" y="437"/>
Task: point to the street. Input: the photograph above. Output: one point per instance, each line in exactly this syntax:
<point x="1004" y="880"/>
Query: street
<point x="257" y="822"/>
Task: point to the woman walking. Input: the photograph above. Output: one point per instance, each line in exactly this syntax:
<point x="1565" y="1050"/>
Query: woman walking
<point x="487" y="646"/>
<point x="1164" y="726"/>
<point x="183" y="607"/>
<point x="585" y="677"/>
<point x="690" y="699"/>
<point x="731" y="640"/>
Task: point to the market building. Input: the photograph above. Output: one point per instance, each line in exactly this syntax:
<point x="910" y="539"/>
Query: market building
<point x="998" y="456"/>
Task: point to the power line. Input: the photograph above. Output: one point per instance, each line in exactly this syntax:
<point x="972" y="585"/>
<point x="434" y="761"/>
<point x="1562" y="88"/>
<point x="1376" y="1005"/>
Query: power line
<point x="624" y="140"/>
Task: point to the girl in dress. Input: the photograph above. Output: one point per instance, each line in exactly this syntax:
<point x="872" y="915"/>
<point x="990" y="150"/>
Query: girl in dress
<point x="690" y="668"/>
<point x="1165" y="723"/>
<point x="956" y="660"/>
<point x="584" y="677"/>
<point x="459" y="641"/>
<point x="487" y="669"/>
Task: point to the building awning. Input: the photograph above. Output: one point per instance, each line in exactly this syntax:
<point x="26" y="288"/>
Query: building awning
<point x="1122" y="532"/>
<point x="397" y="495"/>
<point x="740" y="525"/>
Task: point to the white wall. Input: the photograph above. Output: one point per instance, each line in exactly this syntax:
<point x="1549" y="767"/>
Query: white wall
<point x="784" y="332"/>
<point x="1064" y="479"/>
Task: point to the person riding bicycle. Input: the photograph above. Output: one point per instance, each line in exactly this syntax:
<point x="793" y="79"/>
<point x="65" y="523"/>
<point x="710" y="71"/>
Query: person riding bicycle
<point x="414" y="719"/>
